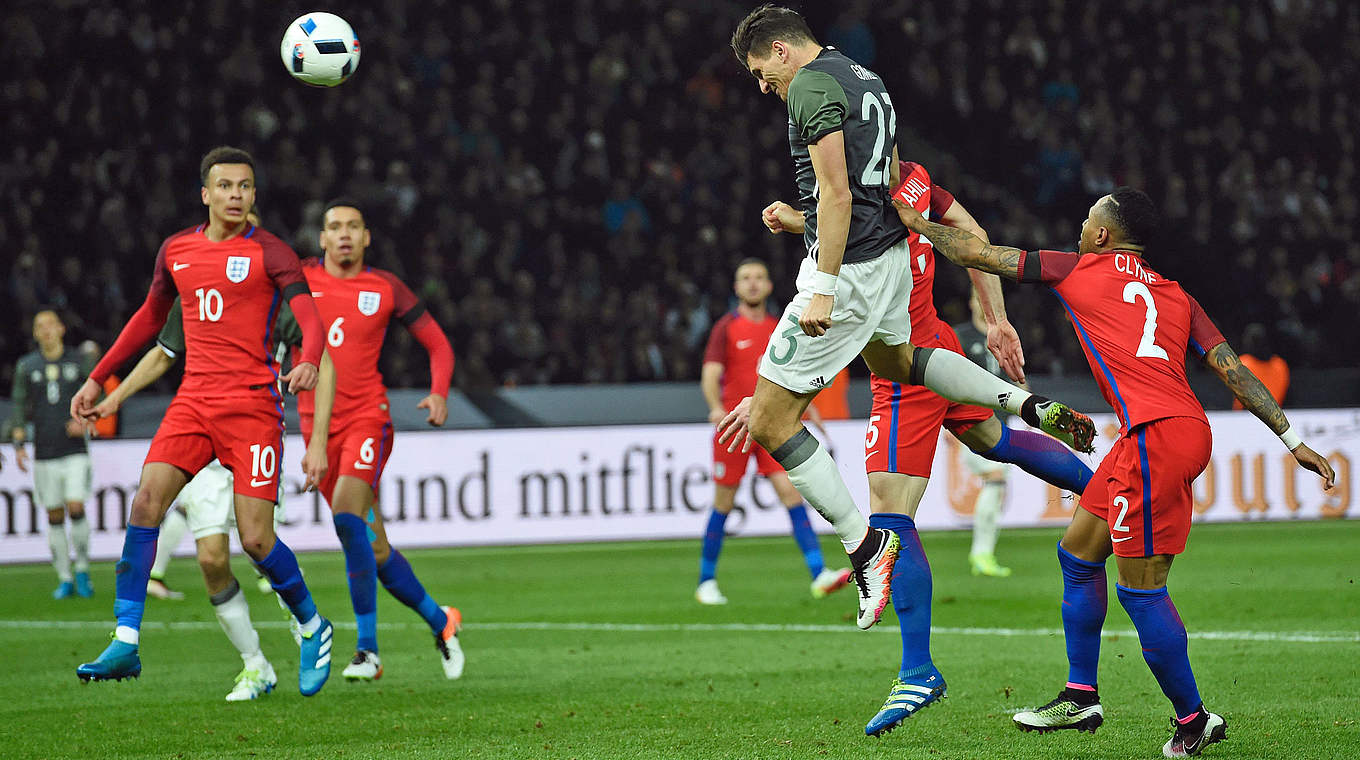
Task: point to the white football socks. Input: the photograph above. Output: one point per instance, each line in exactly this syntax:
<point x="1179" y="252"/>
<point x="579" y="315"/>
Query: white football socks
<point x="233" y="614"/>
<point x="986" y="512"/>
<point x="61" y="551"/>
<point x="172" y="530"/>
<point x="80" y="541"/>
<point x="957" y="378"/>
<point x="818" y="480"/>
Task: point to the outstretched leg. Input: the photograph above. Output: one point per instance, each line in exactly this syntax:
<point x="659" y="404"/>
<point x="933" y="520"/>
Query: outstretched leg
<point x="956" y="378"/>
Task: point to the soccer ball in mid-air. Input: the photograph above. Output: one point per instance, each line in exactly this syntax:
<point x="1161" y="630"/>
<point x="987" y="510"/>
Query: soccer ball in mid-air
<point x="320" y="49"/>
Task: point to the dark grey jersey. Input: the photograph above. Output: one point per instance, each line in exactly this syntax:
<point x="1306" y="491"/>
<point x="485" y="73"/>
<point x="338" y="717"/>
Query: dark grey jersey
<point x="42" y="395"/>
<point x="834" y="93"/>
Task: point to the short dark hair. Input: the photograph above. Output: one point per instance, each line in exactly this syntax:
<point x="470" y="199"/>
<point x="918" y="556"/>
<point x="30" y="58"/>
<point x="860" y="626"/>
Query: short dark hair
<point x="749" y="260"/>
<point x="1136" y="215"/>
<point x="766" y="24"/>
<point x="223" y="154"/>
<point x="345" y="203"/>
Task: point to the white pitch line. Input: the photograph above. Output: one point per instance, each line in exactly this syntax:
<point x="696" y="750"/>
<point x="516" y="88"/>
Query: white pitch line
<point x="1295" y="637"/>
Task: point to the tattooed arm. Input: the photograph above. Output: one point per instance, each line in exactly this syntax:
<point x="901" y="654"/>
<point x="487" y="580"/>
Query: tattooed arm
<point x="1256" y="397"/>
<point x="1246" y="387"/>
<point x="963" y="247"/>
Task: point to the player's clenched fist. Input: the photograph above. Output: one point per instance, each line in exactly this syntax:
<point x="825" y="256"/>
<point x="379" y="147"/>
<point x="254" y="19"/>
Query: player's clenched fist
<point x="302" y="378"/>
<point x="816" y="318"/>
<point x="781" y="217"/>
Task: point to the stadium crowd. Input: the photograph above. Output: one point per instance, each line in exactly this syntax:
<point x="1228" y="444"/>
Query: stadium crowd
<point x="570" y="183"/>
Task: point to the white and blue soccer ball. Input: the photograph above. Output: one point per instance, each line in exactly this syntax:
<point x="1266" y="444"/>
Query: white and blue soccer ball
<point x="320" y="49"/>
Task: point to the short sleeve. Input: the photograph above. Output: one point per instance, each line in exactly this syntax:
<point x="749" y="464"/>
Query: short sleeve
<point x="1204" y="334"/>
<point x="716" y="350"/>
<point x="817" y="104"/>
<point x="1046" y="266"/>
<point x="171" y="337"/>
<point x="406" y="306"/>
<point x="940" y="201"/>
<point x="162" y="284"/>
<point x="282" y="265"/>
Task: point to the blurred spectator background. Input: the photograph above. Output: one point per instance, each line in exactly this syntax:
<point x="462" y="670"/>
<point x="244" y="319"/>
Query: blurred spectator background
<point x="570" y="183"/>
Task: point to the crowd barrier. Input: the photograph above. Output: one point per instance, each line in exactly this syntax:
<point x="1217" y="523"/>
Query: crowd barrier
<point x="493" y="487"/>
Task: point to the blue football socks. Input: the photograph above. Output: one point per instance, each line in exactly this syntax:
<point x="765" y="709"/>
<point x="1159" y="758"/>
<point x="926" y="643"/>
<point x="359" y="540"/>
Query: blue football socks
<point x="363" y="577"/>
<point x="911" y="589"/>
<point x="401" y="582"/>
<point x="131" y="575"/>
<point x="1085" y="598"/>
<point x="713" y="539"/>
<point x="806" y="539"/>
<point x="281" y="568"/>
<point x="1164" y="641"/>
<point x="1041" y="456"/>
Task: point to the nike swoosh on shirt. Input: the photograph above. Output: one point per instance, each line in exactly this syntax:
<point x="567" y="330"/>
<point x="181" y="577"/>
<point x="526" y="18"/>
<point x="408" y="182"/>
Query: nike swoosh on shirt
<point x="744" y="343"/>
<point x="871" y="453"/>
<point x="361" y="466"/>
<point x="177" y="267"/>
<point x="316" y="294"/>
<point x="257" y="483"/>
<point x="1117" y="540"/>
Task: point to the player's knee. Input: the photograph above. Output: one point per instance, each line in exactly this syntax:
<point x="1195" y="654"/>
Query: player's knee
<point x="77" y="512"/>
<point x="56" y="516"/>
<point x="215" y="565"/>
<point x="147" y="507"/>
<point x="257" y="543"/>
<point x="765" y="429"/>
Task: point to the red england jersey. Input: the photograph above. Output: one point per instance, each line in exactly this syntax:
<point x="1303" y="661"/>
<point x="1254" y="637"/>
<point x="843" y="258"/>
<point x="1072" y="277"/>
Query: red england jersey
<point x="1135" y="327"/>
<point x="355" y="313"/>
<point x="231" y="291"/>
<point x="737" y="343"/>
<point x="932" y="201"/>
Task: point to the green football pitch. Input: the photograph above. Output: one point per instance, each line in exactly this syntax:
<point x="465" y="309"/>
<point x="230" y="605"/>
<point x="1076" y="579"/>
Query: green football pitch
<point x="600" y="651"/>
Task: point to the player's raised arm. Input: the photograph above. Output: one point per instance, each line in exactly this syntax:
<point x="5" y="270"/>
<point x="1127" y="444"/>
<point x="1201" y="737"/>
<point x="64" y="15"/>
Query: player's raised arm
<point x="961" y="246"/>
<point x="1256" y="397"/>
<point x="140" y="329"/>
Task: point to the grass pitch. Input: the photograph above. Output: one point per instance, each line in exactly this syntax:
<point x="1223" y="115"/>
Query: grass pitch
<point x="599" y="651"/>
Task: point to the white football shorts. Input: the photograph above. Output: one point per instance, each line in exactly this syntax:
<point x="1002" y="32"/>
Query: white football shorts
<point x="872" y="303"/>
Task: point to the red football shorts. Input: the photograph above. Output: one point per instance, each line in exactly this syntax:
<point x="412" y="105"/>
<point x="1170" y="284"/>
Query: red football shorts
<point x="1142" y="487"/>
<point x="245" y="434"/>
<point x="728" y="469"/>
<point x="358" y="448"/>
<point x="905" y="421"/>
